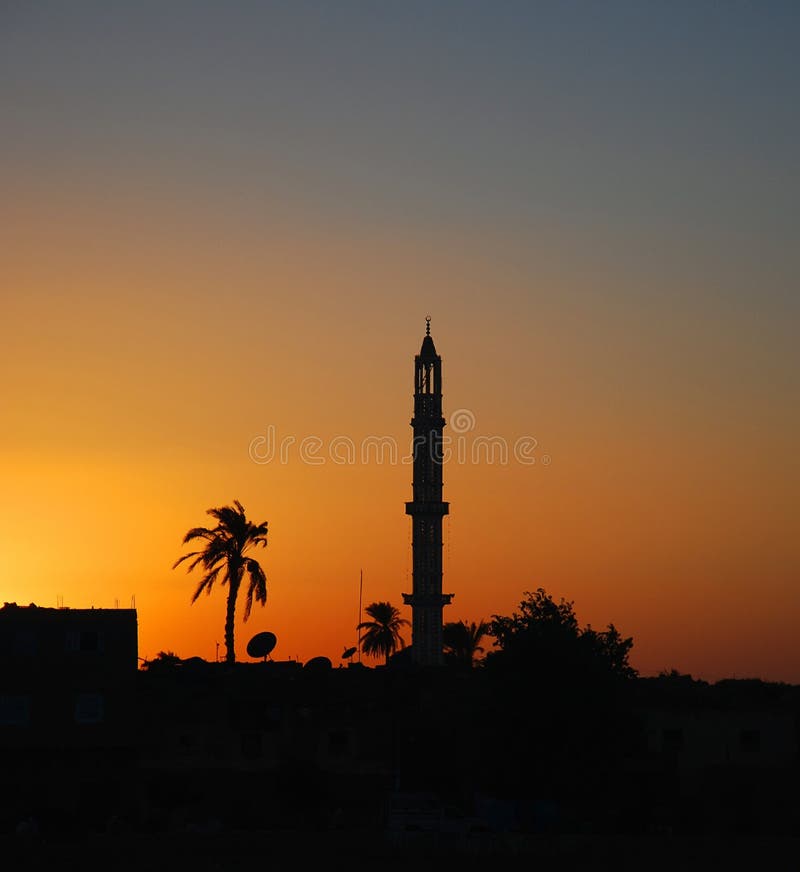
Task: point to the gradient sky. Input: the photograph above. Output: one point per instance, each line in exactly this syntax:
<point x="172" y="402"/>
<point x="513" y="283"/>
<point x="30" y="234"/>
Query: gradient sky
<point x="219" y="218"/>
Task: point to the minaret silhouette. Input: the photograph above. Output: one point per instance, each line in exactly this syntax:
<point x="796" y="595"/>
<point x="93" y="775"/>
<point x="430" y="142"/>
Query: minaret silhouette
<point x="427" y="508"/>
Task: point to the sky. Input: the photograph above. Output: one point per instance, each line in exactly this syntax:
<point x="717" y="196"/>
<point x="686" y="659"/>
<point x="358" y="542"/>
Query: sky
<point x="226" y="223"/>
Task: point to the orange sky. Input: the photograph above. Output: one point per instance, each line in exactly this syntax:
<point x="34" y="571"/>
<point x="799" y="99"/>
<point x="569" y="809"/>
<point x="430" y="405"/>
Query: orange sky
<point x="660" y="508"/>
<point x="171" y="290"/>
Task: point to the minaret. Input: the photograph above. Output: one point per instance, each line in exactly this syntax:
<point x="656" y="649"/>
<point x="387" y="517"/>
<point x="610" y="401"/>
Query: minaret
<point x="427" y="508"/>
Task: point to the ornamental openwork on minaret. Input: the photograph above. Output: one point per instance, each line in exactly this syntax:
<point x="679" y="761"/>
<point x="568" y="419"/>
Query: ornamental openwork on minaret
<point x="427" y="509"/>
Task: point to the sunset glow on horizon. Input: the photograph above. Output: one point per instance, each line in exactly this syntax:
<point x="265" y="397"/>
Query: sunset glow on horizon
<point x="227" y="226"/>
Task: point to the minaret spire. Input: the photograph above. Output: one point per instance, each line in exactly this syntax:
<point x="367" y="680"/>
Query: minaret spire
<point x="427" y="508"/>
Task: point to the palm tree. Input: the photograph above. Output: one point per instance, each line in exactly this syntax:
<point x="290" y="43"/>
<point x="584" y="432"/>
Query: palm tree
<point x="382" y="637"/>
<point x="462" y="641"/>
<point x="223" y="556"/>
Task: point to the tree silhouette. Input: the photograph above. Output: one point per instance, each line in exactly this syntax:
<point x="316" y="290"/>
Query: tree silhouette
<point x="545" y="636"/>
<point x="611" y="648"/>
<point x="382" y="634"/>
<point x="560" y="701"/>
<point x="540" y="626"/>
<point x="223" y="556"/>
<point x="162" y="660"/>
<point x="462" y="641"/>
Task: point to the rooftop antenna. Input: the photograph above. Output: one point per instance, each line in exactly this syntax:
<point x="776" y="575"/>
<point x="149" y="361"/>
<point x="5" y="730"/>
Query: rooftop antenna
<point x="116" y="602"/>
<point x="133" y="601"/>
<point x="358" y="631"/>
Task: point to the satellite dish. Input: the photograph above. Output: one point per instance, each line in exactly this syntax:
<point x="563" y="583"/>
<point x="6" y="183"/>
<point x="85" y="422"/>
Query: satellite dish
<point x="348" y="652"/>
<point x="318" y="664"/>
<point x="261" y="645"/>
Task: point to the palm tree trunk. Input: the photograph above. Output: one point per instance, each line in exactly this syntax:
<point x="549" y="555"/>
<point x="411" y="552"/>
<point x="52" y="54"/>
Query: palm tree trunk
<point x="230" y="652"/>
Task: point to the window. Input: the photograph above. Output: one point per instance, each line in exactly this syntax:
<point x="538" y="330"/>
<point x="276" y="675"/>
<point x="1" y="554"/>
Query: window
<point x="272" y="719"/>
<point x="215" y="749"/>
<point x="83" y="640"/>
<point x="88" y="708"/>
<point x="15" y="710"/>
<point x="89" y="640"/>
<point x="750" y="741"/>
<point x="338" y="743"/>
<point x="672" y="740"/>
<point x="25" y="644"/>
<point x="251" y="746"/>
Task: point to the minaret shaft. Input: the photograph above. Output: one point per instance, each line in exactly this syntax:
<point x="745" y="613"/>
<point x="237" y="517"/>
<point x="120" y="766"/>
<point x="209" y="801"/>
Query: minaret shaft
<point x="427" y="508"/>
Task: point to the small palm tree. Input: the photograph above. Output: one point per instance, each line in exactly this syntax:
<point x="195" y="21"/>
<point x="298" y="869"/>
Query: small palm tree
<point x="223" y="556"/>
<point x="382" y="634"/>
<point x="462" y="641"/>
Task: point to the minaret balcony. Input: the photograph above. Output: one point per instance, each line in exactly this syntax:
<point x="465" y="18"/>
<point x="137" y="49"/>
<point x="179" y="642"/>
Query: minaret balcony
<point x="424" y="508"/>
<point x="435" y="601"/>
<point x="428" y="422"/>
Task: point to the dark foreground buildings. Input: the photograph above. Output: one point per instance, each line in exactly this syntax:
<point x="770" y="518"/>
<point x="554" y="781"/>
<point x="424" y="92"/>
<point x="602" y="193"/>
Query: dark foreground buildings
<point x="398" y="760"/>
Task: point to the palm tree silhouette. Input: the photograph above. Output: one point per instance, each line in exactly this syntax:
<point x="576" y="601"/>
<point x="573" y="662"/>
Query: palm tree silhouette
<point x="223" y="556"/>
<point x="382" y="637"/>
<point x="462" y="641"/>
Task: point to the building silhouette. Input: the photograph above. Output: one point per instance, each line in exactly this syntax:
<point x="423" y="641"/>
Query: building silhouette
<point x="65" y="674"/>
<point x="68" y="716"/>
<point x="427" y="508"/>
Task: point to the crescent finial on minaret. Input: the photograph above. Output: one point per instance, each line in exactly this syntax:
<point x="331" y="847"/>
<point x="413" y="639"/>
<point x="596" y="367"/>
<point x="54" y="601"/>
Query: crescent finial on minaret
<point x="428" y="325"/>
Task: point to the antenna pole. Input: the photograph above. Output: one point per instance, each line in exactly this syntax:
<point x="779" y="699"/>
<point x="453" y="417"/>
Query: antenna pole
<point x="360" y="588"/>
